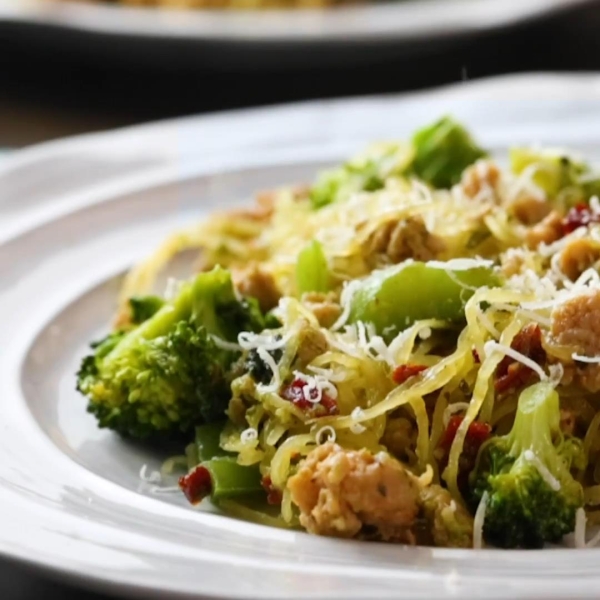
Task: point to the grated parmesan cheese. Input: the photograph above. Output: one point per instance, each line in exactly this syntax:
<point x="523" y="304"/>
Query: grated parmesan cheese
<point x="248" y="435"/>
<point x="530" y="457"/>
<point x="275" y="384"/>
<point x="328" y="374"/>
<point x="325" y="434"/>
<point x="350" y="289"/>
<point x="251" y="341"/>
<point x="224" y="344"/>
<point x="152" y="477"/>
<point x="356" y="415"/>
<point x="586" y="359"/>
<point x="459" y="264"/>
<point x="316" y="383"/>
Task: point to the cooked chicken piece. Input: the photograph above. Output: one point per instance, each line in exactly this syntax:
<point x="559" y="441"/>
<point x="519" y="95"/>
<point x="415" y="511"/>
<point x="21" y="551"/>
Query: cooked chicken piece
<point x="407" y="238"/>
<point x="547" y="231"/>
<point x="576" y="323"/>
<point x="345" y="492"/>
<point x="312" y="343"/>
<point x="254" y="282"/>
<point x="576" y="327"/>
<point x="449" y="524"/>
<point x="514" y="262"/>
<point x="529" y="209"/>
<point x="324" y="306"/>
<point x="483" y="175"/>
<point x="578" y="256"/>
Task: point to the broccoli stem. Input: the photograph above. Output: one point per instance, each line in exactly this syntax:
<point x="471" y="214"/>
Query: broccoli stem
<point x="196" y="298"/>
<point x="537" y="419"/>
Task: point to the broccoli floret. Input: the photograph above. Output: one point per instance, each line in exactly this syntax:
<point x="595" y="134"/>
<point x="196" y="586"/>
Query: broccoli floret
<point x="443" y="151"/>
<point x="144" y="307"/>
<point x="531" y="496"/>
<point x="168" y="374"/>
<point x="438" y="154"/>
<point x="366" y="172"/>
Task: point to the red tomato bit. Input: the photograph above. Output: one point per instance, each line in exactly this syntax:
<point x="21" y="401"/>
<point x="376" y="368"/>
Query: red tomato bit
<point x="512" y="374"/>
<point x="403" y="373"/>
<point x="274" y="495"/>
<point x="294" y="392"/>
<point x="579" y="216"/>
<point x="477" y="433"/>
<point x="196" y="485"/>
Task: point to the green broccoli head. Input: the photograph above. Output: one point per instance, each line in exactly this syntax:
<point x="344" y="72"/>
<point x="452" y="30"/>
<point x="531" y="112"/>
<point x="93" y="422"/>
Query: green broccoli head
<point x="170" y="373"/>
<point x="144" y="307"/>
<point x="531" y="496"/>
<point x="443" y="151"/>
<point x="364" y="173"/>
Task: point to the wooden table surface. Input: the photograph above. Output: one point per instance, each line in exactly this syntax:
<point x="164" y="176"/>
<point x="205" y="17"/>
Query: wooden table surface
<point x="45" y="96"/>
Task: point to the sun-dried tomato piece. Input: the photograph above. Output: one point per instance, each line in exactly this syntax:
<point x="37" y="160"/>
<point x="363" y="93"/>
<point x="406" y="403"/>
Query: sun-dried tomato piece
<point x="274" y="495"/>
<point x="294" y="392"/>
<point x="579" y="216"/>
<point x="196" y="485"/>
<point x="477" y="433"/>
<point x="403" y="373"/>
<point x="512" y="374"/>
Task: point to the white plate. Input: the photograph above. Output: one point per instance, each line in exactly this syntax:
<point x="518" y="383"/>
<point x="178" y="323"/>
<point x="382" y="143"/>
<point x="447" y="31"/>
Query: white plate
<point x="75" y="214"/>
<point x="396" y="19"/>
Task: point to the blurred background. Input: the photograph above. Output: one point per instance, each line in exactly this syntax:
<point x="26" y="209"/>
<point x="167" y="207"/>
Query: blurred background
<point x="69" y="68"/>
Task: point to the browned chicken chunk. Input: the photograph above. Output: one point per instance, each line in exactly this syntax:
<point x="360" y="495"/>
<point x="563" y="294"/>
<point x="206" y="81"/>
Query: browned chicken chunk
<point x="576" y="329"/>
<point x="254" y="282"/>
<point x="547" y="231"/>
<point x="345" y="492"/>
<point x="530" y="209"/>
<point x="578" y="256"/>
<point x="311" y="343"/>
<point x="483" y="175"/>
<point x="323" y="306"/>
<point x="407" y="238"/>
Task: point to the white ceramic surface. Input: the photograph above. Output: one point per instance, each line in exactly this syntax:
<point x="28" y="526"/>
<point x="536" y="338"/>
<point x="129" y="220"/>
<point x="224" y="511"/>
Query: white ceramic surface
<point x="74" y="214"/>
<point x="395" y="19"/>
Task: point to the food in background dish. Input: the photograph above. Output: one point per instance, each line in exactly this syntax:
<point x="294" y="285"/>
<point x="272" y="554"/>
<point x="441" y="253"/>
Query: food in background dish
<point x="406" y="350"/>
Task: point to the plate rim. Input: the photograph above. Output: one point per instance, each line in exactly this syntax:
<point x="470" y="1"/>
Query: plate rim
<point x="31" y="160"/>
<point x="410" y="20"/>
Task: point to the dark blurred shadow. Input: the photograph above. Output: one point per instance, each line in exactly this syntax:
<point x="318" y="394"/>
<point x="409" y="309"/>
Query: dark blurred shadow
<point x="23" y="583"/>
<point x="92" y="90"/>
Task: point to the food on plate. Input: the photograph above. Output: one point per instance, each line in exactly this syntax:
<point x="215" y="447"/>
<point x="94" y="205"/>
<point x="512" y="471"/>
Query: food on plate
<point x="230" y="4"/>
<point x="407" y="350"/>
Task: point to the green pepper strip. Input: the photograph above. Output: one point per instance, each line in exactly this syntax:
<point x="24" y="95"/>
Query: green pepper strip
<point x="399" y="296"/>
<point x="312" y="271"/>
<point x="208" y="442"/>
<point x="229" y="479"/>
